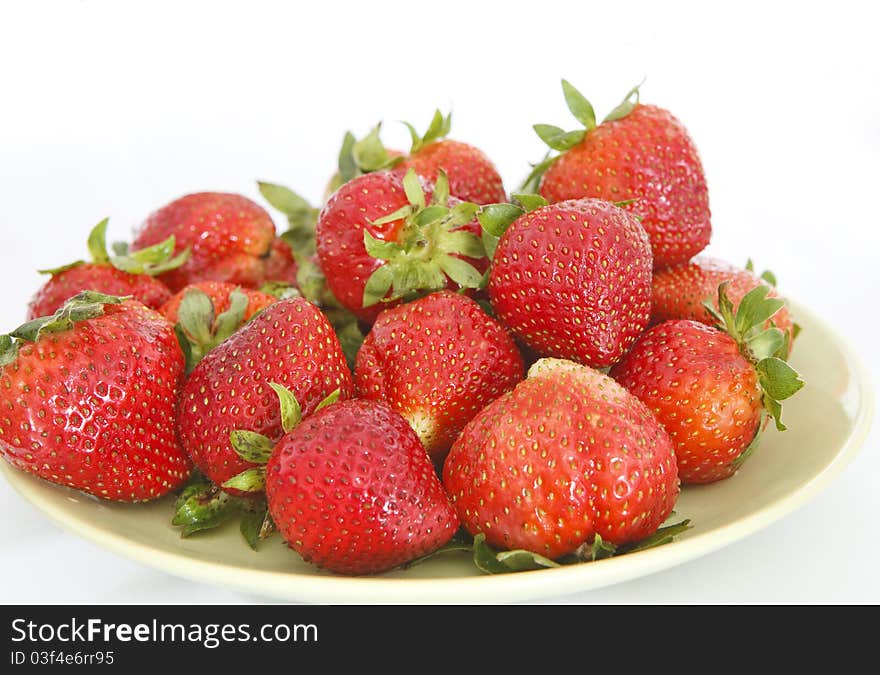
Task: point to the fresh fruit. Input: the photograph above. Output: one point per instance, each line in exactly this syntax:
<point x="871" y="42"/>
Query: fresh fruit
<point x="230" y="238"/>
<point x="384" y="238"/>
<point x="472" y="175"/>
<point x="121" y="274"/>
<point x="280" y="266"/>
<point x="713" y="389"/>
<point x="437" y="361"/>
<point x="573" y="279"/>
<point x="207" y="313"/>
<point x="352" y="490"/>
<point x="310" y="279"/>
<point x="219" y="293"/>
<point x="88" y="399"/>
<point x="566" y="457"/>
<point x="639" y="154"/>
<point x="680" y="292"/>
<point x="289" y="343"/>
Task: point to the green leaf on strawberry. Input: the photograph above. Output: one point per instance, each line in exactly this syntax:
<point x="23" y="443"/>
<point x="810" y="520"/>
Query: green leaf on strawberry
<point x="152" y="260"/>
<point x="197" y="328"/>
<point x="202" y="506"/>
<point x="492" y="561"/>
<point x="765" y="348"/>
<point x="256" y="525"/>
<point x="427" y="252"/>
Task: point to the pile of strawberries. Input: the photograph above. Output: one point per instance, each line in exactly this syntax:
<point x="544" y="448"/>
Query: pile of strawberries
<point x="423" y="364"/>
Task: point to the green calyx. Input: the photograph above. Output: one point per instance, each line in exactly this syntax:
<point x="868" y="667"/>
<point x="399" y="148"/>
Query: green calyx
<point x="153" y="260"/>
<point x="439" y="127"/>
<point x="424" y="255"/>
<point x="360" y="156"/>
<point x="765" y="348"/>
<point x="202" y="505"/>
<point x="492" y="561"/>
<point x="560" y="140"/>
<point x="301" y="217"/>
<point x="256" y="448"/>
<point x="199" y="330"/>
<point x="81" y="307"/>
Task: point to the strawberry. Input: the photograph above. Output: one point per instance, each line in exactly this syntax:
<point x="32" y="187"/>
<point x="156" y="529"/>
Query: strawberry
<point x="352" y="490"/>
<point x="640" y="153"/>
<point x="289" y="343"/>
<point x="230" y="237"/>
<point x="383" y="238"/>
<point x="566" y="457"/>
<point x="89" y="395"/>
<point x="437" y="361"/>
<point x="219" y="294"/>
<point x="122" y="274"/>
<point x="280" y="266"/>
<point x="207" y="313"/>
<point x="713" y="389"/>
<point x="572" y="279"/>
<point x="472" y="175"/>
<point x="680" y="292"/>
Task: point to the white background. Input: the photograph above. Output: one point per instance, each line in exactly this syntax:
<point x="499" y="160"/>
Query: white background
<point x="112" y="109"/>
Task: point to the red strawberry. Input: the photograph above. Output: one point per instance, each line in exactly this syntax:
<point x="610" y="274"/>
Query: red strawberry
<point x="640" y="153"/>
<point x="289" y="343"/>
<point x="280" y="266"/>
<point x="573" y="279"/>
<point x="352" y="490"/>
<point x="713" y="390"/>
<point x="89" y="398"/>
<point x="437" y="361"/>
<point x="680" y="291"/>
<point x="230" y="237"/>
<point x="472" y="175"/>
<point x="566" y="456"/>
<point x="207" y="313"/>
<point x="119" y="275"/>
<point x="383" y="238"/>
<point x="219" y="293"/>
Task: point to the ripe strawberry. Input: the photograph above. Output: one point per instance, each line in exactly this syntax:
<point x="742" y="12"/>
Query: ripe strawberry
<point x="472" y="175"/>
<point x="640" y="153"/>
<point x="230" y="237"/>
<point x="89" y="395"/>
<point x="566" y="456"/>
<point x="437" y="361"/>
<point x="120" y="275"/>
<point x="572" y="280"/>
<point x="219" y="293"/>
<point x="352" y="490"/>
<point x="383" y="238"/>
<point x="207" y="313"/>
<point x="280" y="266"/>
<point x="713" y="390"/>
<point x="289" y="343"/>
<point x="680" y="292"/>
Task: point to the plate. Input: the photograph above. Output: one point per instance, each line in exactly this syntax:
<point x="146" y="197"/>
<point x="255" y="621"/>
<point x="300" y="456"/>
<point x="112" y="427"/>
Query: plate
<point x="828" y="421"/>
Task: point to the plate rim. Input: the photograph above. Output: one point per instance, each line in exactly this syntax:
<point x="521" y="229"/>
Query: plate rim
<point x="521" y="586"/>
